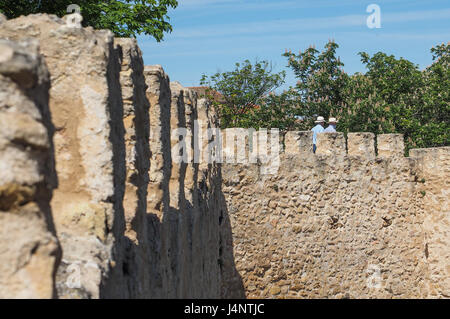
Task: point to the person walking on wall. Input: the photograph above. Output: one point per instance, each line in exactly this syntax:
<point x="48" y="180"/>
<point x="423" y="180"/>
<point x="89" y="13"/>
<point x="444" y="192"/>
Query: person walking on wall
<point x="317" y="129"/>
<point x="331" y="125"/>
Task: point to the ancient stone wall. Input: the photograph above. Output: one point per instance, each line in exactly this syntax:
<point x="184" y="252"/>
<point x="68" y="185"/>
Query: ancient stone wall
<point x="434" y="187"/>
<point x="342" y="224"/>
<point x="105" y="194"/>
<point x="86" y="109"/>
<point x="132" y="222"/>
<point x="29" y="250"/>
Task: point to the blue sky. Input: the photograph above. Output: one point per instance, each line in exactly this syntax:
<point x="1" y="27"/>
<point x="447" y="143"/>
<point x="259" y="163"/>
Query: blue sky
<point x="211" y="35"/>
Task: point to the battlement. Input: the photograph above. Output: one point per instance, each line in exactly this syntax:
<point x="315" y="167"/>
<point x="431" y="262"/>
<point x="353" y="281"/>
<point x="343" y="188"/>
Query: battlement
<point x="89" y="148"/>
<point x="359" y="144"/>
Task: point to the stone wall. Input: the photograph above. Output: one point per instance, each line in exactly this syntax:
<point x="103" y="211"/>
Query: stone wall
<point x="340" y="224"/>
<point x="433" y="175"/>
<point x="103" y="193"/>
<point x="86" y="109"/>
<point x="132" y="222"/>
<point x="29" y="250"/>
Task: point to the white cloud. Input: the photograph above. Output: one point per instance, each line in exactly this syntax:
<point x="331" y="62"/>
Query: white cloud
<point x="273" y="26"/>
<point x="197" y="3"/>
<point x="279" y="4"/>
<point x="415" y="15"/>
<point x="286" y="26"/>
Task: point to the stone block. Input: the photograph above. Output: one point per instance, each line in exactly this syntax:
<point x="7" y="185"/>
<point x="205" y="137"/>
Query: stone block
<point x="390" y="145"/>
<point x="361" y="144"/>
<point x="331" y="144"/>
<point x="298" y="142"/>
<point x="29" y="250"/>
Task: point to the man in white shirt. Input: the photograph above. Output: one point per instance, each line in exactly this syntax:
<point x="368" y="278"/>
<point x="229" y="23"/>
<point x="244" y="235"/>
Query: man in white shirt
<point x="317" y="129"/>
<point x="331" y="125"/>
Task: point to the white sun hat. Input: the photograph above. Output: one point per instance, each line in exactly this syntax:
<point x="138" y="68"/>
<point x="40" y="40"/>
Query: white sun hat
<point x="332" y="120"/>
<point x="320" y="119"/>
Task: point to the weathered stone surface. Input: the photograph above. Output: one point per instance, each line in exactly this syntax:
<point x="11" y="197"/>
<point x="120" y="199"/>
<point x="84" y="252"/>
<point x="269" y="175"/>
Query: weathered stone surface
<point x="29" y="250"/>
<point x="207" y="206"/>
<point x="86" y="108"/>
<point x="235" y="145"/>
<point x="176" y="220"/>
<point x="433" y="178"/>
<point x="206" y="120"/>
<point x="327" y="213"/>
<point x="195" y="204"/>
<point x="330" y="144"/>
<point x="179" y="152"/>
<point x="361" y="144"/>
<point x="390" y="145"/>
<point x="159" y="96"/>
<point x="137" y="133"/>
<point x="297" y="142"/>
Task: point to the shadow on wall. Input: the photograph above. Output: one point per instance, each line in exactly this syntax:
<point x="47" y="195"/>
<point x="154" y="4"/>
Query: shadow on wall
<point x="44" y="191"/>
<point x="183" y="245"/>
<point x="119" y="245"/>
<point x="112" y="285"/>
<point x="232" y="286"/>
<point x="191" y="249"/>
<point x="191" y="240"/>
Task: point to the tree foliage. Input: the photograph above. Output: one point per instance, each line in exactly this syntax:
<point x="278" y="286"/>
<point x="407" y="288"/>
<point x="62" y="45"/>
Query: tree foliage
<point x="434" y="114"/>
<point x="389" y="96"/>
<point x="125" y="18"/>
<point x="393" y="96"/>
<point x="244" y="91"/>
<point x="321" y="81"/>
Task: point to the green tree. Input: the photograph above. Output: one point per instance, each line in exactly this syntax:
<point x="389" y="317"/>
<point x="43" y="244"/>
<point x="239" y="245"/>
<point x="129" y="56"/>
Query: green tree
<point x="125" y="18"/>
<point x="244" y="91"/>
<point x="321" y="82"/>
<point x="387" y="98"/>
<point x="395" y="96"/>
<point x="276" y="111"/>
<point x="434" y="113"/>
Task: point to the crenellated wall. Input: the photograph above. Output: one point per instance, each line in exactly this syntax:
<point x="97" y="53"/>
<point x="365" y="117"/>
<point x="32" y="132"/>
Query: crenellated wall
<point x="131" y="222"/>
<point x="433" y="166"/>
<point x="29" y="250"/>
<point x="104" y="192"/>
<point x="342" y="223"/>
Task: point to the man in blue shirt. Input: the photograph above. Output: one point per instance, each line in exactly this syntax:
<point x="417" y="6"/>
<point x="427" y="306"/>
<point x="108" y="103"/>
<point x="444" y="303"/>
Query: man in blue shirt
<point x="331" y="125"/>
<point x="317" y="129"/>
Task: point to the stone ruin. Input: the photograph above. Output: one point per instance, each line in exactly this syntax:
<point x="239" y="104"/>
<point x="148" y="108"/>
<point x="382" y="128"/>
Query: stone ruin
<point x="351" y="221"/>
<point x="94" y="204"/>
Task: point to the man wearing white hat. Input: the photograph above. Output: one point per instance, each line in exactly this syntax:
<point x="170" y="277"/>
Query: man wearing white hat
<point x="331" y="125"/>
<point x="317" y="129"/>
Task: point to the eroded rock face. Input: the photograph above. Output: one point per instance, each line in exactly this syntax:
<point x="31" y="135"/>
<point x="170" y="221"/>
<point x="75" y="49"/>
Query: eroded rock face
<point x="434" y="188"/>
<point x="29" y="250"/>
<point x="184" y="202"/>
<point x="338" y="225"/>
<point x="137" y="133"/>
<point x="86" y="107"/>
<point x="137" y="221"/>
